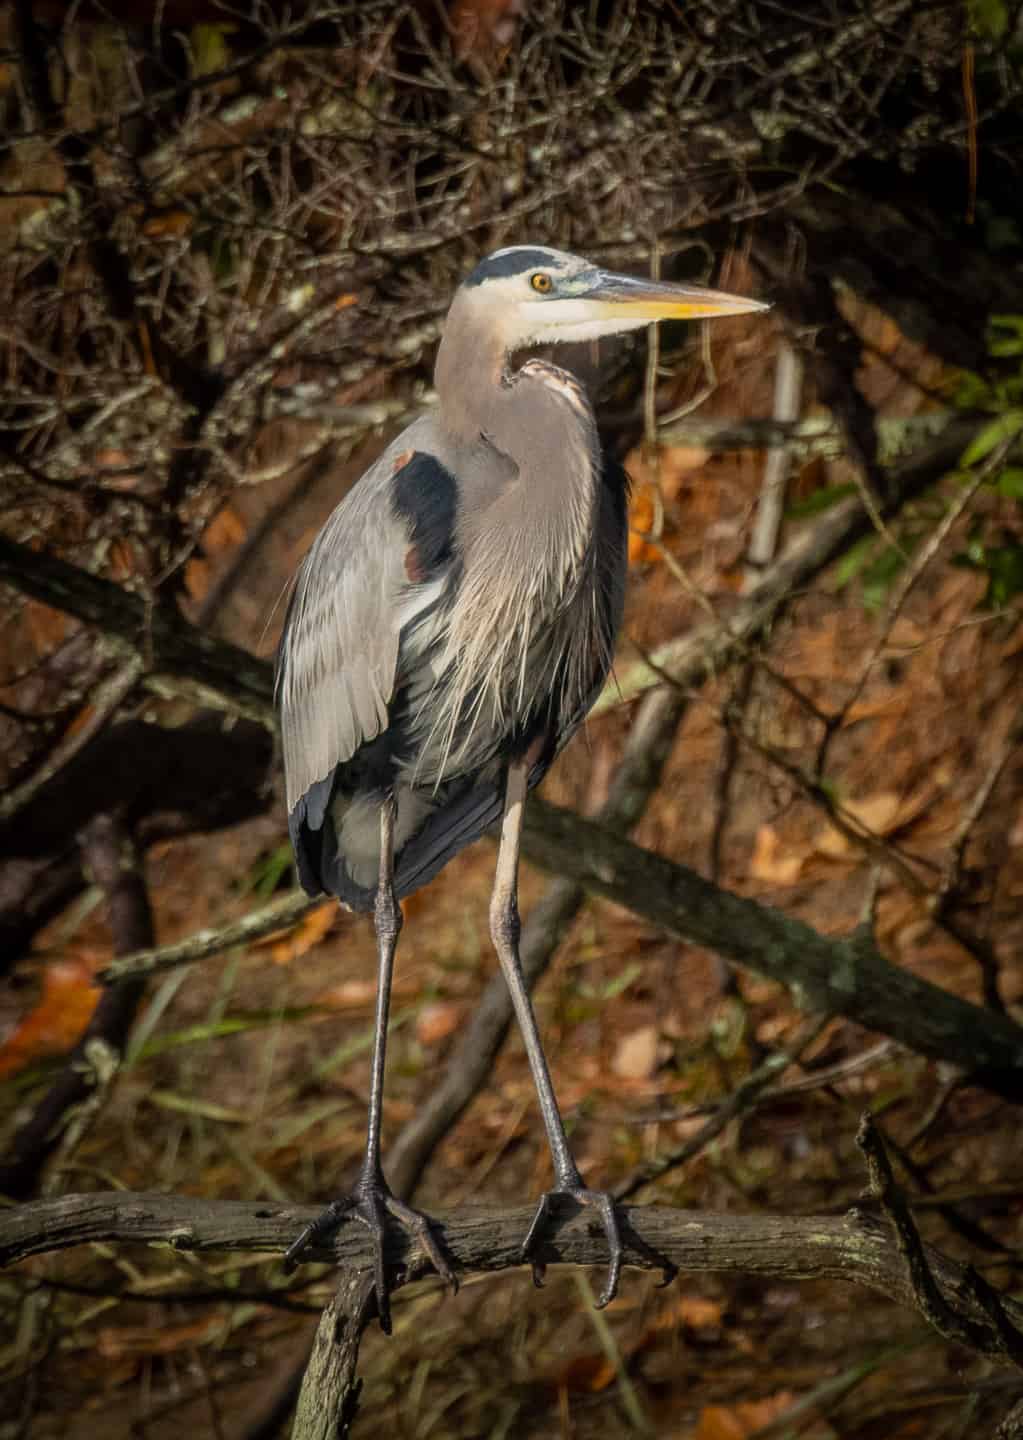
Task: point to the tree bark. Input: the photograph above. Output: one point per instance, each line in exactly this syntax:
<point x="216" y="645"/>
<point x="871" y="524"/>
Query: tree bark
<point x="855" y="1247"/>
<point x="843" y="976"/>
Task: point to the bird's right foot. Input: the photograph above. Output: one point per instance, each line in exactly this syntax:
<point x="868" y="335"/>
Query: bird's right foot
<point x="372" y="1203"/>
<point x="571" y="1188"/>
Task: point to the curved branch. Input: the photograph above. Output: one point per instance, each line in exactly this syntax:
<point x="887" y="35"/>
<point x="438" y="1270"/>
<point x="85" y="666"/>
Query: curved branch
<point x="844" y="975"/>
<point x="855" y="1247"/>
<point x="224" y="675"/>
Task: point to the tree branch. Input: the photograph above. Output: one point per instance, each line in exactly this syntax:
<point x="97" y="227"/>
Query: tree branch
<point x="854" y="1247"/>
<point x="228" y="676"/>
<point x="845" y="976"/>
<point x="329" y="1398"/>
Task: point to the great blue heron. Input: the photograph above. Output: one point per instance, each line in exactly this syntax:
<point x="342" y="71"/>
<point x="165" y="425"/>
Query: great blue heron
<point x="450" y="627"/>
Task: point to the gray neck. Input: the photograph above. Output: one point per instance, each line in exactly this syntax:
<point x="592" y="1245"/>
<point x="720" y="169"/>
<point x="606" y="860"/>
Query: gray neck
<point x="538" y="416"/>
<point x="529" y="481"/>
<point x="469" y="371"/>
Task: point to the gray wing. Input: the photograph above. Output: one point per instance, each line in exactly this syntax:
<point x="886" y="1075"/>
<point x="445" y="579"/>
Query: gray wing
<point x="370" y="571"/>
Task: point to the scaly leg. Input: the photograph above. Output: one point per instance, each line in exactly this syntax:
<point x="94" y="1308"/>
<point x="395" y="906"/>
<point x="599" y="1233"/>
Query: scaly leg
<point x="504" y="930"/>
<point x="371" y="1200"/>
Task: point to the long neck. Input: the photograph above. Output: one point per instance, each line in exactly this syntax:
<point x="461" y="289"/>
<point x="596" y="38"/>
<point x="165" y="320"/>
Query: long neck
<point x="538" y="416"/>
<point x="469" y="371"/>
<point x="531" y="612"/>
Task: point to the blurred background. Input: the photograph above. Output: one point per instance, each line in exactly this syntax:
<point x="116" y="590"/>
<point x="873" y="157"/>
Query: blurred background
<point x="228" y="238"/>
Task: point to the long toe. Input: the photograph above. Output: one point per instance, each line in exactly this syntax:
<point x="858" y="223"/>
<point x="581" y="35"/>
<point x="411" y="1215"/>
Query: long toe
<point x="373" y="1205"/>
<point x="419" y="1225"/>
<point x="544" y="1219"/>
<point x="316" y="1232"/>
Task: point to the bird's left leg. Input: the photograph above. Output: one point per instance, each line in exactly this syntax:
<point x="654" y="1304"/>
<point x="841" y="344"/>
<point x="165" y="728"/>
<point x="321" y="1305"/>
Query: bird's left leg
<point x="371" y="1200"/>
<point x="504" y="930"/>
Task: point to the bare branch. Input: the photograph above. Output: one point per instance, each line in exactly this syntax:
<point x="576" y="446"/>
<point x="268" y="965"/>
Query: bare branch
<point x="853" y="1247"/>
<point x="845" y="976"/>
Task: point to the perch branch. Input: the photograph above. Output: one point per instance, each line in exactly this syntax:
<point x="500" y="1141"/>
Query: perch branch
<point x="854" y="1247"/>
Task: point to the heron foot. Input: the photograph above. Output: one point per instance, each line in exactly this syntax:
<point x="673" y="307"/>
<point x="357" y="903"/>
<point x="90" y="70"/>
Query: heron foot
<point x="373" y="1205"/>
<point x="604" y="1205"/>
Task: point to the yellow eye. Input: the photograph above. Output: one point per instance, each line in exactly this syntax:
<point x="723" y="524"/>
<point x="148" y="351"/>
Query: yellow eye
<point x="541" y="283"/>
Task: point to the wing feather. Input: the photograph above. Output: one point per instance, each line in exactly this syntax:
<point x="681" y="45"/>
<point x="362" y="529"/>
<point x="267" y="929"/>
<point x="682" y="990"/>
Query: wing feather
<point x="374" y="569"/>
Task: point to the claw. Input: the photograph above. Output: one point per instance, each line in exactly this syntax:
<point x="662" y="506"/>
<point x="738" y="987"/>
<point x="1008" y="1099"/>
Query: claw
<point x="584" y="1198"/>
<point x="605" y="1207"/>
<point x="371" y="1202"/>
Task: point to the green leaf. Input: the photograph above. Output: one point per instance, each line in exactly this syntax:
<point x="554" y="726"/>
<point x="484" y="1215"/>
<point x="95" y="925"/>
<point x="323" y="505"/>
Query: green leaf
<point x="819" y="501"/>
<point x="1005" y="575"/>
<point x="191" y="1105"/>
<point x="1010" y="482"/>
<point x="1003" y="427"/>
<point x="878" y="576"/>
<point x="989" y="18"/>
<point x="972" y="391"/>
<point x="268" y="871"/>
<point x="853" y="561"/>
<point x="615" y="986"/>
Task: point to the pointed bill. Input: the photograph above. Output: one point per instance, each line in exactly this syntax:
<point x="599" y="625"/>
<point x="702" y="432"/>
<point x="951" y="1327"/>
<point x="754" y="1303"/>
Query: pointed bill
<point x="627" y="297"/>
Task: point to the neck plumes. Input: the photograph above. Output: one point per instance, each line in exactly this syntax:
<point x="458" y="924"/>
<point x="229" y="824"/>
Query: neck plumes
<point x="526" y="529"/>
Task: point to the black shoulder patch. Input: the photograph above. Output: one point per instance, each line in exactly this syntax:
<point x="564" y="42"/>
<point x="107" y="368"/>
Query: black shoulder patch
<point x="510" y="262"/>
<point x="424" y="494"/>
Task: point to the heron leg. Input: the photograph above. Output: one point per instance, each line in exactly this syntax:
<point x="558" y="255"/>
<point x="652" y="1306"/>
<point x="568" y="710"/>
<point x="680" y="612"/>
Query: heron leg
<point x="505" y="928"/>
<point x="371" y="1200"/>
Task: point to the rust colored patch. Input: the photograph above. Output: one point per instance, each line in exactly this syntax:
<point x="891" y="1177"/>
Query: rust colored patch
<point x="400" y="461"/>
<point x="413" y="566"/>
<point x="535" y="751"/>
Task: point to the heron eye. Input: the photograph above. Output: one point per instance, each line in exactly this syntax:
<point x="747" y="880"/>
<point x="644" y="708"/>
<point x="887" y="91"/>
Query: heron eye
<point x="541" y="282"/>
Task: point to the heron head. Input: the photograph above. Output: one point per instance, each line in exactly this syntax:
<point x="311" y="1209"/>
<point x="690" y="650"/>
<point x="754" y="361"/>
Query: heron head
<point x="531" y="294"/>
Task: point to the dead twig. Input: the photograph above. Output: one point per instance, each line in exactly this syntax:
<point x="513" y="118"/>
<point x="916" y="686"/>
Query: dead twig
<point x="746" y="1095"/>
<point x="941" y="1312"/>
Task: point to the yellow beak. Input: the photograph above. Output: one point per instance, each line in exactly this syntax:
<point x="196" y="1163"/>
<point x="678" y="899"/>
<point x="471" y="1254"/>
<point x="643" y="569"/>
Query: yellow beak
<point x="625" y="296"/>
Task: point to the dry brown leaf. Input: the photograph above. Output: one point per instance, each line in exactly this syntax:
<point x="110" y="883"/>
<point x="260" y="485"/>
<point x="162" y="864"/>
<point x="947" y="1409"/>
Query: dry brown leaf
<point x="636" y="1055"/>
<point x="349" y="995"/>
<point x="122" y="560"/>
<point x="169" y="225"/>
<point x="197" y="577"/>
<point x="772" y="861"/>
<point x="437" y="1021"/>
<point x="114" y="1342"/>
<point x="309" y="931"/>
<point x="55" y="1024"/>
<point x="481" y="26"/>
<point x="46" y="627"/>
<point x="737" y="1422"/>
<point x="877" y="813"/>
<point x="226" y="530"/>
<point x="642" y="517"/>
<point x="585" y="1373"/>
<point x="694" y="1312"/>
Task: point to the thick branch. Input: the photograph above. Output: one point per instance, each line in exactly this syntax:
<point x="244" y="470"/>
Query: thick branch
<point x="169" y="782"/>
<point x="329" y="1398"/>
<point x="846" y="976"/>
<point x="854" y="1247"/>
<point x="168" y="643"/>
